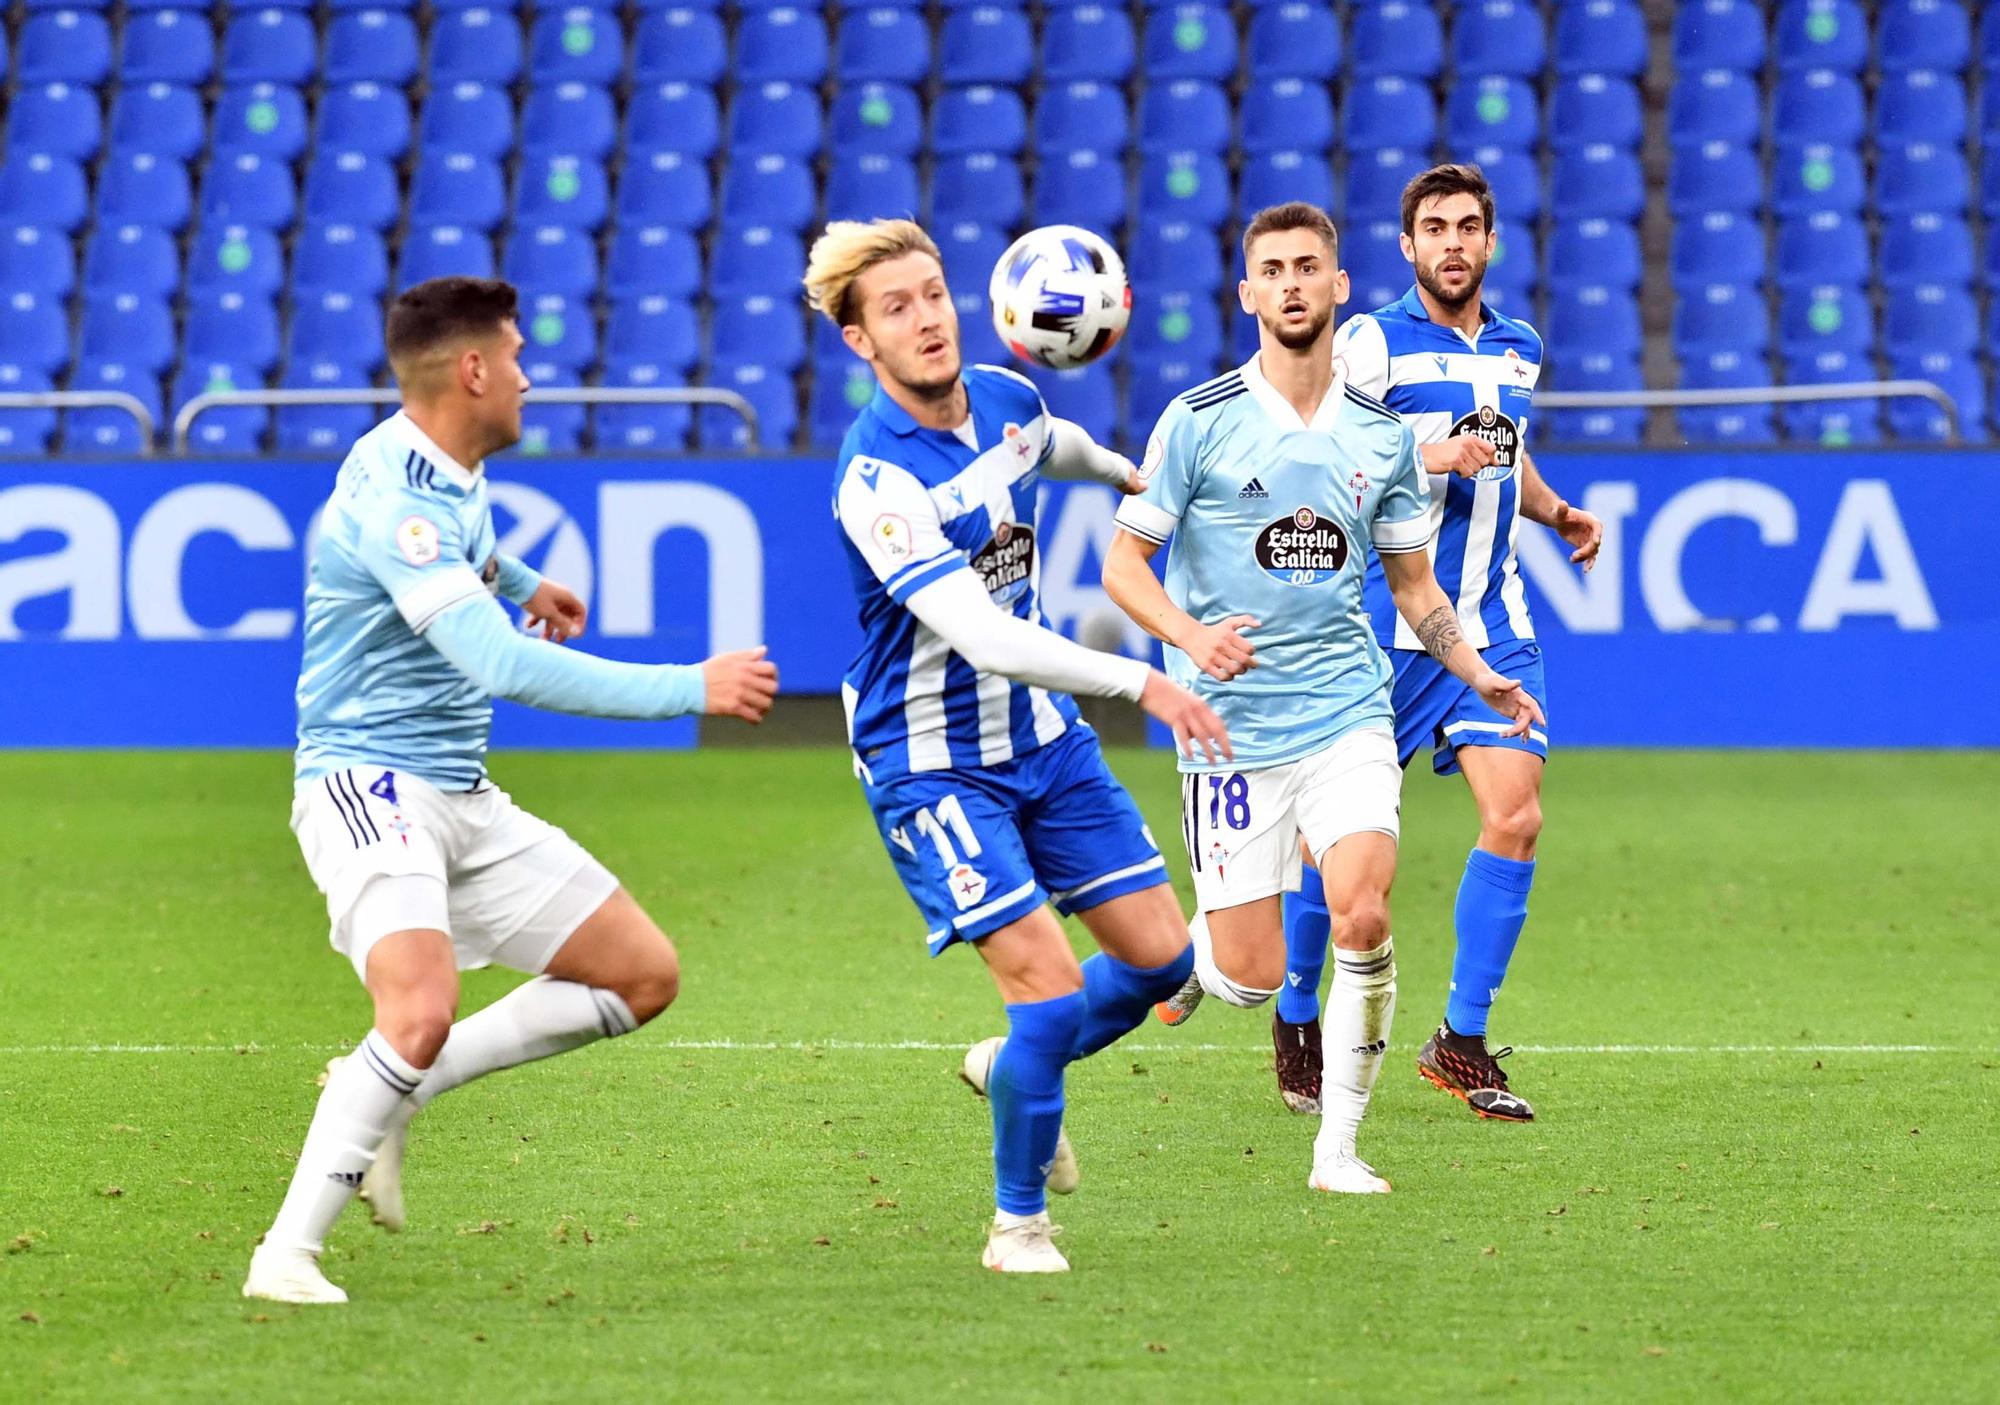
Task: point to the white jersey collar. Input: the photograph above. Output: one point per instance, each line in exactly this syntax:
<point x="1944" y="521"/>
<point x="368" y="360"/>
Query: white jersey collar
<point x="411" y="434"/>
<point x="1280" y="410"/>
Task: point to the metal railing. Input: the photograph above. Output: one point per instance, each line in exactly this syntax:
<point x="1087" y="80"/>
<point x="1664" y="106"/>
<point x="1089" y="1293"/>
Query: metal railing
<point x="553" y="395"/>
<point x="85" y="400"/>
<point x="1756" y="395"/>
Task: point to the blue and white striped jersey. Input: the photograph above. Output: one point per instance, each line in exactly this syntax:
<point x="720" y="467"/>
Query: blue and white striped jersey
<point x="915" y="504"/>
<point x="1443" y="384"/>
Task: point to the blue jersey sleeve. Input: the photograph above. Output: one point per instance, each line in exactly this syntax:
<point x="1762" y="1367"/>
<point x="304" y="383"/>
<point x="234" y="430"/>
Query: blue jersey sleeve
<point x="891" y="521"/>
<point x="1171" y="472"/>
<point x="1403" y="515"/>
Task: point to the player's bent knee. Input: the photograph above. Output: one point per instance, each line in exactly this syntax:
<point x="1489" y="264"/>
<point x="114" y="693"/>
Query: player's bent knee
<point x="416" y="1023"/>
<point x="1516" y="826"/>
<point x="1361" y="923"/>
<point x="654" y="985"/>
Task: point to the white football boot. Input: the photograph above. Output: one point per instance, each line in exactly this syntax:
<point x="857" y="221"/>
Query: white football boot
<point x="1344" y="1173"/>
<point x="1063" y="1173"/>
<point x="287" y="1275"/>
<point x="1023" y="1244"/>
<point x="382" y="1185"/>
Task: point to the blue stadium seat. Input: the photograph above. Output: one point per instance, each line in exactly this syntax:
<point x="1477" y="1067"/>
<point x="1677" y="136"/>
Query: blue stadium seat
<point x="769" y="392"/>
<point x="35" y="331"/>
<point x="60" y="119"/>
<point x="560" y="186"/>
<point x="130" y="327"/>
<point x="653" y="258"/>
<point x="243" y="259"/>
<point x="444" y="250"/>
<point x="1081" y="116"/>
<point x="578" y="118"/>
<point x="970" y="250"/>
<point x="755" y="259"/>
<point x="774" y="190"/>
<point x="39" y="261"/>
<point x="167" y="46"/>
<point x="474" y="118"/>
<point x="1927" y="249"/>
<point x="1595" y="251"/>
<point x="1830" y="34"/>
<point x="680" y="45"/>
<point x="674" y="116"/>
<point x="1185" y="185"/>
<point x="136" y="258"/>
<point x="365" y="117"/>
<point x="1517" y="176"/>
<point x="1936" y="316"/>
<point x="323" y="429"/>
<point x="1396" y="37"/>
<point x="1818" y="106"/>
<point x="552" y="258"/>
<point x="841" y="389"/>
<point x="1086" y="396"/>
<point x="1589" y="319"/>
<point x="1510" y="279"/>
<point x="1920" y="106"/>
<point x="1830" y="318"/>
<point x="1718" y="104"/>
<point x="1817" y="177"/>
<point x="981" y="118"/>
<point x="776" y="119"/>
<point x="1592" y="108"/>
<point x="763" y="328"/>
<point x="25" y="431"/>
<point x="1081" y="187"/>
<point x="1372" y="256"/>
<point x="560" y="331"/>
<point x="1190" y="115"/>
<point x="1835" y="423"/>
<point x="1602" y="36"/>
<point x="556" y="428"/>
<point x="1177" y="326"/>
<point x="141" y="188"/>
<point x="1725" y="424"/>
<point x="42" y="190"/>
<point x="1826" y="247"/>
<point x="457" y="188"/>
<point x="1597" y="180"/>
<point x="783" y="45"/>
<point x="371" y="46"/>
<point x="226" y="429"/>
<point x="1287" y="114"/>
<point x="63" y="46"/>
<point x="1494" y="111"/>
<point x="982" y="186"/>
<point x="327" y="258"/>
<point x="984" y="44"/>
<point x="1190" y="41"/>
<point x="160" y="118"/>
<point x="577" y="44"/>
<point x="106" y="430"/>
<point x="1504" y="38"/>
<point x="666" y="188"/>
<point x="642" y="427"/>
<point x="1719" y="34"/>
<point x="1931" y="34"/>
<point x="1292" y="40"/>
<point x="475" y="46"/>
<point x="1175" y="256"/>
<point x="263" y="118"/>
<point x="1087" y="43"/>
<point x="884" y="43"/>
<point x="269" y="46"/>
<point x="1719" y="247"/>
<point x="1375" y="180"/>
<point x="1598" y="372"/>
<point x="1153" y="386"/>
<point x="349" y="187"/>
<point x="978" y="340"/>
<point x="233" y="327"/>
<point x="1920" y="179"/>
<point x="1957" y="375"/>
<point x="1274" y="177"/>
<point x="871" y="187"/>
<point x="248" y="189"/>
<point x="1390" y="111"/>
<point x="885" y="119"/>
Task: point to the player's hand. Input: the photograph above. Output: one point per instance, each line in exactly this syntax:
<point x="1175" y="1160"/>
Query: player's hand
<point x="1133" y="484"/>
<point x="1192" y="720"/>
<point x="1464" y="455"/>
<point x="1507" y="697"/>
<point x="556" y="612"/>
<point x="1220" y="650"/>
<point x="1581" y="530"/>
<point x="742" y="684"/>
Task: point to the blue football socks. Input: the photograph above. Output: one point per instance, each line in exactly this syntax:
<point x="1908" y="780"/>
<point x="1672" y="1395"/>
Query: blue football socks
<point x="1119" y="995"/>
<point x="1026" y="1091"/>
<point x="1306" y="930"/>
<point x="1491" y="910"/>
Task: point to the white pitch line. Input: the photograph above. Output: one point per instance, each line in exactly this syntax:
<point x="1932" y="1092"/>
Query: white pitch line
<point x="958" y="1046"/>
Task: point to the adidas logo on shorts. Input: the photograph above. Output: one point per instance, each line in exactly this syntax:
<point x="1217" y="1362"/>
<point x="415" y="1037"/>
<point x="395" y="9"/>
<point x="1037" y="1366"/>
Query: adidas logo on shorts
<point x="1253" y="489"/>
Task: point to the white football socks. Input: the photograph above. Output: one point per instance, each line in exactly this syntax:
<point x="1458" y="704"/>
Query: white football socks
<point x="1213" y="981"/>
<point x="546" y="1016"/>
<point x="1360" y="1005"/>
<point x="363" y="1097"/>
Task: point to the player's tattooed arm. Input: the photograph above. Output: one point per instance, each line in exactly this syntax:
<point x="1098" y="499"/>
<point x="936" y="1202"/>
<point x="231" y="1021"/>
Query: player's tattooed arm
<point x="1439" y="633"/>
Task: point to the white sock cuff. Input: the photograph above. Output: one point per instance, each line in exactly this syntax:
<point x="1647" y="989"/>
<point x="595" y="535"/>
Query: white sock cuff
<point x="385" y="1063"/>
<point x="1213" y="981"/>
<point x="1367" y="967"/>
<point x="612" y="1012"/>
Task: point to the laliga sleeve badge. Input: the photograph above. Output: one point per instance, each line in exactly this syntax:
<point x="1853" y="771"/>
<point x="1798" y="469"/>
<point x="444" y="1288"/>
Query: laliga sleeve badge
<point x="418" y="539"/>
<point x="1156" y="454"/>
<point x="892" y="537"/>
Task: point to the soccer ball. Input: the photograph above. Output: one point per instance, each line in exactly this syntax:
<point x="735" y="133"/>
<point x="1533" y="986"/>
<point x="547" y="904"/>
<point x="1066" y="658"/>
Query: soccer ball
<point x="1060" y="298"/>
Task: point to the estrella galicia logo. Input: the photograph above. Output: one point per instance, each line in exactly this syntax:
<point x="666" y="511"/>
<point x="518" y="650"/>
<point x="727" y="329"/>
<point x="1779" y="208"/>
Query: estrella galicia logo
<point x="1007" y="562"/>
<point x="1305" y="548"/>
<point x="1496" y="429"/>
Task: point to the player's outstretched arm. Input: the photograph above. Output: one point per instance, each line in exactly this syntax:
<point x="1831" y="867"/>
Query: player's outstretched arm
<point x="1541" y="503"/>
<point x="1421" y="601"/>
<point x="1074" y="454"/>
<point x="1219" y="650"/>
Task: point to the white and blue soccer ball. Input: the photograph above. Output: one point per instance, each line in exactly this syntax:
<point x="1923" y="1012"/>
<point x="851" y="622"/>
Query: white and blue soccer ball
<point x="1060" y="298"/>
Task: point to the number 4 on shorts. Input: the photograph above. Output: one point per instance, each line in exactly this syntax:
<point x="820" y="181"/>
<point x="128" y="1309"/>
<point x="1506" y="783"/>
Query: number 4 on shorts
<point x="385" y="788"/>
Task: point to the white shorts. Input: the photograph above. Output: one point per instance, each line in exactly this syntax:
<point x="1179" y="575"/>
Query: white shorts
<point x="1243" y="827"/>
<point x="507" y="888"/>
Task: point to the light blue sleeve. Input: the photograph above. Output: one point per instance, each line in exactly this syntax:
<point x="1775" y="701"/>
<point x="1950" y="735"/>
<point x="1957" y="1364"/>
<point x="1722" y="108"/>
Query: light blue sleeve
<point x="1403" y="515"/>
<point x="478" y="639"/>
<point x="1171" y="472"/>
<point x="517" y="581"/>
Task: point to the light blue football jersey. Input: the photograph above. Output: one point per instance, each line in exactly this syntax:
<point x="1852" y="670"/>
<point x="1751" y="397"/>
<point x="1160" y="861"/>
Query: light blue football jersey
<point x="1271" y="516"/>
<point x="1443" y="384"/>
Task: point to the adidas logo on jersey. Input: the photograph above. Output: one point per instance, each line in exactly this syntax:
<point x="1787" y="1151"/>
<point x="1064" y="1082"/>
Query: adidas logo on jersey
<point x="1253" y="489"/>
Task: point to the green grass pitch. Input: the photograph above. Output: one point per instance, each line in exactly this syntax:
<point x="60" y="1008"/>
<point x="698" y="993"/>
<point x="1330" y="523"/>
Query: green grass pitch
<point x="1778" y="1185"/>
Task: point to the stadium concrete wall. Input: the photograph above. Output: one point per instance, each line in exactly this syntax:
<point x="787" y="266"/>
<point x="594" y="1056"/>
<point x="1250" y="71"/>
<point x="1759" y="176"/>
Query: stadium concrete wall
<point x="1810" y="599"/>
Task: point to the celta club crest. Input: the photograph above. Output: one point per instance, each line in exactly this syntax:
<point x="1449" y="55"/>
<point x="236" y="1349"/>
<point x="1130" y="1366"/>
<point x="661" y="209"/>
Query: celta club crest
<point x="1359" y="482"/>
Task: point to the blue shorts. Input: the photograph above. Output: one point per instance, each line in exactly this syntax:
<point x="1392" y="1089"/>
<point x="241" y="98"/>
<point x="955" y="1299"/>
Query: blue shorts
<point x="1432" y="706"/>
<point x="982" y="847"/>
